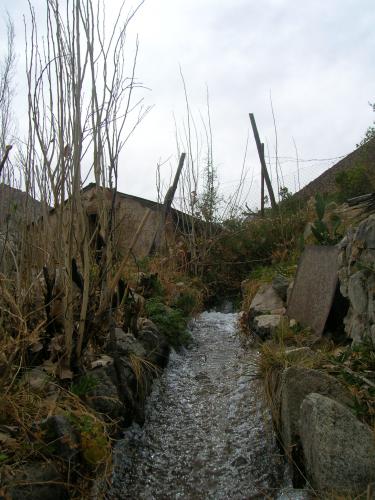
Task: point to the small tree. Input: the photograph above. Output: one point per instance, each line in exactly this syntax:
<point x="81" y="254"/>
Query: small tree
<point x="7" y="68"/>
<point x="79" y="98"/>
<point x="370" y="132"/>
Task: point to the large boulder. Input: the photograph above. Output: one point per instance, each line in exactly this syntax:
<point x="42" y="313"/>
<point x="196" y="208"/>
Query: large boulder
<point x="297" y="383"/>
<point x="339" y="450"/>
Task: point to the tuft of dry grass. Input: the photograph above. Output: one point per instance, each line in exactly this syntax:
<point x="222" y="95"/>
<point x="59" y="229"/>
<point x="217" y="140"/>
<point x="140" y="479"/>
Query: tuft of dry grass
<point x="144" y="371"/>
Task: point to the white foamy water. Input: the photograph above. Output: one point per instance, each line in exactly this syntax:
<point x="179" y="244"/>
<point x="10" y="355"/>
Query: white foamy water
<point x="208" y="432"/>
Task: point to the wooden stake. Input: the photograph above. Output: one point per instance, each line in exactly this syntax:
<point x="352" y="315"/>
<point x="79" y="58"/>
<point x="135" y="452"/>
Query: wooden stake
<point x="167" y="205"/>
<point x="262" y="186"/>
<point x="262" y="161"/>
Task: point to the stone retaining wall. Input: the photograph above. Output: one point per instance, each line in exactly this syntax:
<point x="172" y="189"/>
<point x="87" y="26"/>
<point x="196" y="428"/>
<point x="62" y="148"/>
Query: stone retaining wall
<point x="357" y="279"/>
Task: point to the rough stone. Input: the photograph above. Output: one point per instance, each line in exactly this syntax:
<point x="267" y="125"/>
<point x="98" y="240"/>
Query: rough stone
<point x="297" y="383"/>
<point x="357" y="280"/>
<point x="104" y="396"/>
<point x="280" y="284"/>
<point x="343" y="280"/>
<point x="366" y="232"/>
<point x="294" y="494"/>
<point x="127" y="344"/>
<point x="355" y="327"/>
<point x="265" y="300"/>
<point x="280" y="311"/>
<point x="43" y="482"/>
<point x="339" y="450"/>
<point x="38" y="380"/>
<point x="60" y="433"/>
<point x="357" y="292"/>
<point x="156" y="346"/>
<point x="265" y="325"/>
<point x="368" y="258"/>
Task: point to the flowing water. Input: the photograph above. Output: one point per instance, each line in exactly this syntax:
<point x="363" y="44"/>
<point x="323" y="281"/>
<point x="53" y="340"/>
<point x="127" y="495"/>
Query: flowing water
<point x="208" y="433"/>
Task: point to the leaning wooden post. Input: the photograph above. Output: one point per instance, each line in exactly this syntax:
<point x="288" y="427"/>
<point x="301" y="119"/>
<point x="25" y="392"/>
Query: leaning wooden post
<point x="167" y="205"/>
<point x="262" y="186"/>
<point x="262" y="161"/>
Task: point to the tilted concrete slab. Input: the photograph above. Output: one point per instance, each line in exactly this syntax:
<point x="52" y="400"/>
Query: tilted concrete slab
<point x="314" y="287"/>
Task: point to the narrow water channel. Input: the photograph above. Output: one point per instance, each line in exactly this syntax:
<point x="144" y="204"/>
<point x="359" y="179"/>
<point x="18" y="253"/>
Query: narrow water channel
<point x="208" y="433"/>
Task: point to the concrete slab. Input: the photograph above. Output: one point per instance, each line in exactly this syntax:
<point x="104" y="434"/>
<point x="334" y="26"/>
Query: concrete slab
<point x="314" y="287"/>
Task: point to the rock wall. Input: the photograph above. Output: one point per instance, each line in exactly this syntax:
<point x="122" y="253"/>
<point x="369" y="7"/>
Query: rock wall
<point x="357" y="279"/>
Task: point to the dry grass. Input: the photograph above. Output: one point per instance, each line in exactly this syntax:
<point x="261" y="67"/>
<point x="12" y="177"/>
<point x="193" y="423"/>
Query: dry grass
<point x="144" y="371"/>
<point x="280" y="353"/>
<point x="23" y="440"/>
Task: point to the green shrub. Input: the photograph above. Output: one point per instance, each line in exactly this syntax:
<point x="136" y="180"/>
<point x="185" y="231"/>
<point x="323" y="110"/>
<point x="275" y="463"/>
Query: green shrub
<point x="245" y="245"/>
<point x="353" y="182"/>
<point x="187" y="301"/>
<point x="323" y="234"/>
<point x="171" y="322"/>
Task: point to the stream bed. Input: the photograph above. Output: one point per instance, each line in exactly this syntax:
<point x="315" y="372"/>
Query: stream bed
<point x="208" y="432"/>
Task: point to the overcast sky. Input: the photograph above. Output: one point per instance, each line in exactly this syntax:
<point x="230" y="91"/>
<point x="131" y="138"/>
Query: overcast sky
<point x="315" y="57"/>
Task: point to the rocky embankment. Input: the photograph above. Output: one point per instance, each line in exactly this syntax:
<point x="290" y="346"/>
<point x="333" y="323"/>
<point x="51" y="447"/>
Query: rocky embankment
<point x="331" y="449"/>
<point x="73" y="438"/>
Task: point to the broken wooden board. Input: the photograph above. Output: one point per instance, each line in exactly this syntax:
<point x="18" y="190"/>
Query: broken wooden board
<point x="314" y="287"/>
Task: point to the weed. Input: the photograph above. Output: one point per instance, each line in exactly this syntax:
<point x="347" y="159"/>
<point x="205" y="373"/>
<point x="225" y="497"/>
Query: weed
<point x="84" y="385"/>
<point x="170" y="322"/>
<point x="355" y="367"/>
<point x="323" y="234"/>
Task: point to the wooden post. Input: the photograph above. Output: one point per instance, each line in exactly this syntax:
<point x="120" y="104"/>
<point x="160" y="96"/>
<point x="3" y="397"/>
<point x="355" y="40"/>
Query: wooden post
<point x="5" y="157"/>
<point x="262" y="186"/>
<point x="262" y="161"/>
<point x="167" y="205"/>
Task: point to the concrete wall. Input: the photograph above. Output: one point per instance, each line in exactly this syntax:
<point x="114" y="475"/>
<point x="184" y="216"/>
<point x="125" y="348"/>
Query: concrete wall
<point x="129" y="212"/>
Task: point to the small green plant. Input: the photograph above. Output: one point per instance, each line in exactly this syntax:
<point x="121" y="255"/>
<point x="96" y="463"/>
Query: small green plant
<point x="320" y="229"/>
<point x="84" y="385"/>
